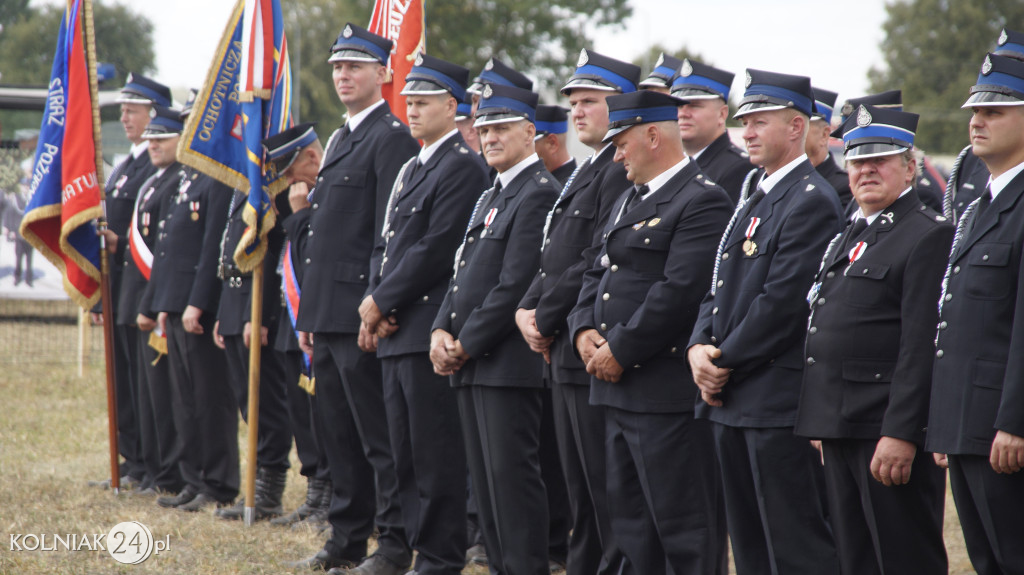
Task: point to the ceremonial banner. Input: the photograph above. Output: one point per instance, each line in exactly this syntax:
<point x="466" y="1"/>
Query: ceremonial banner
<point x="65" y="194"/>
<point x="401" y="21"/>
<point x="246" y="98"/>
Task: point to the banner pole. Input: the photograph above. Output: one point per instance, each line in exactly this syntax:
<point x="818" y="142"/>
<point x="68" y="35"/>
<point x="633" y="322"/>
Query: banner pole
<point x="108" y="315"/>
<point x="255" y="349"/>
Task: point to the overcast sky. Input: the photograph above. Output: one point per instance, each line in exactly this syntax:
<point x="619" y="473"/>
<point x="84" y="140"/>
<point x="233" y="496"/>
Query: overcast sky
<point x="835" y="43"/>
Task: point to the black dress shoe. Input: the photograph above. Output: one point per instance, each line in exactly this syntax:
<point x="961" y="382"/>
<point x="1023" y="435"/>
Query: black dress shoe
<point x="186" y="495"/>
<point x="375" y="564"/>
<point x="322" y="561"/>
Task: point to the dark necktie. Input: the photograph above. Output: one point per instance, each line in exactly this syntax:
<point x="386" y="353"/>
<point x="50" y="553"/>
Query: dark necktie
<point x="984" y="202"/>
<point x="492" y="197"/>
<point x="636" y="196"/>
<point x="344" y="132"/>
<point x="753" y="201"/>
<point x="416" y="165"/>
<point x="853" y="231"/>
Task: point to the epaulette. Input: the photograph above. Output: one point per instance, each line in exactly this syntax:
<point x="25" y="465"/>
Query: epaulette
<point x="706" y="181"/>
<point x="931" y="215"/>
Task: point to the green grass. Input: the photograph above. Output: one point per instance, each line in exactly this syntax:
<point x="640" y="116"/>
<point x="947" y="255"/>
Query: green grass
<point x="53" y="438"/>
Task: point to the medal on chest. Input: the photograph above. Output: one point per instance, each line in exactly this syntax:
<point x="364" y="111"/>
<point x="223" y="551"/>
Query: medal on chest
<point x="855" y="254"/>
<point x="749" y="247"/>
<point x="145" y="223"/>
<point x="194" y="207"/>
<point x="490" y="217"/>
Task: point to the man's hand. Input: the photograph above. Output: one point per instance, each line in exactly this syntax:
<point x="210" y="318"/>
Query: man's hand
<point x="387" y="326"/>
<point x="709" y="377"/>
<point x="218" y="339"/>
<point x="145" y="323"/>
<point x="603" y="365"/>
<point x="297" y="194"/>
<point x="941" y="459"/>
<point x="97" y="318"/>
<point x="247" y="334"/>
<point x="1007" y="455"/>
<point x="306" y="343"/>
<point x="161" y="322"/>
<point x="190" y="320"/>
<point x="110" y="239"/>
<point x="816" y="444"/>
<point x="370" y="313"/>
<point x="526" y="319"/>
<point x="892" y="461"/>
<point x="442" y="344"/>
<point x="587" y="343"/>
<point x="367" y="340"/>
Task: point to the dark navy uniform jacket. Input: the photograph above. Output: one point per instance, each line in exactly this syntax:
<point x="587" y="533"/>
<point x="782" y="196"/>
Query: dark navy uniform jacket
<point x="871" y="340"/>
<point x="152" y="208"/>
<point x="562" y="173"/>
<point x="971" y="180"/>
<point x="838" y="178"/>
<point x="235" y="308"/>
<point x="119" y="196"/>
<point x="574" y="242"/>
<point x="758" y="315"/>
<point x="726" y="165"/>
<point x="497" y="263"/>
<point x="426" y="224"/>
<point x="349" y="202"/>
<point x="186" y="254"/>
<point x="978" y="383"/>
<point x="660" y="256"/>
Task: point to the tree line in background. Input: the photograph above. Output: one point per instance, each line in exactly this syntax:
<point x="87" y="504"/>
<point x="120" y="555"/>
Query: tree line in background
<point x="932" y="48"/>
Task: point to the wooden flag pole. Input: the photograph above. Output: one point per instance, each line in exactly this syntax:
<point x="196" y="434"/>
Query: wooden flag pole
<point x="255" y="349"/>
<point x="108" y="315"/>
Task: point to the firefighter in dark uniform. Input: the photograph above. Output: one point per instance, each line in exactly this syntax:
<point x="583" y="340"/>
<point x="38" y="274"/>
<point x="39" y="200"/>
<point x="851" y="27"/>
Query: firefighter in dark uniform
<point x="865" y="395"/>
<point x="660" y="78"/>
<point x="976" y="421"/>
<point x="817" y="149"/>
<point x="349" y="201"/>
<point x="427" y="212"/>
<point x="295" y="154"/>
<point x="705" y="91"/>
<point x="630" y="326"/>
<point x="498" y="379"/>
<point x="552" y="125"/>
<point x="495" y="72"/>
<point x="746" y="352"/>
<point x="134" y="418"/>
<point x="150" y="362"/>
<point x="184" y="292"/>
<point x="570" y="248"/>
<point x="968" y="176"/>
<point x="232" y="333"/>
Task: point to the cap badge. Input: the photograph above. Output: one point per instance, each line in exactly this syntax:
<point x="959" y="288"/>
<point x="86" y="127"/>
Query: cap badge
<point x="687" y="69"/>
<point x="661" y="60"/>
<point x="489" y="65"/>
<point x="749" y="80"/>
<point x="347" y="32"/>
<point x="986" y="67"/>
<point x="152" y="112"/>
<point x="419" y="59"/>
<point x="488" y="91"/>
<point x="1003" y="37"/>
<point x="584" y="58"/>
<point x="863" y="117"/>
<point x="131" y="78"/>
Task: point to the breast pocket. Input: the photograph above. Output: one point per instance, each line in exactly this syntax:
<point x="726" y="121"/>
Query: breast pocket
<point x="989" y="275"/>
<point x="498" y="230"/>
<point x="579" y="222"/>
<point x="348" y="191"/>
<point x="648" y="250"/>
<point x="867" y="285"/>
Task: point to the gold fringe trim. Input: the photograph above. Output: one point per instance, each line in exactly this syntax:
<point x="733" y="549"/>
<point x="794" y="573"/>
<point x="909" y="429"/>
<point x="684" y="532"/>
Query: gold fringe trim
<point x="159" y="344"/>
<point x="308" y="384"/>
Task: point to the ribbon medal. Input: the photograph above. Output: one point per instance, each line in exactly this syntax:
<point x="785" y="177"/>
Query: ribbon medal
<point x="490" y="217"/>
<point x="195" y="211"/>
<point x="749" y="247"/>
<point x="856" y="252"/>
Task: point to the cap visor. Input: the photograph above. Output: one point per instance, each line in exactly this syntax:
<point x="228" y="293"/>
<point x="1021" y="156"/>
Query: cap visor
<point x="615" y="131"/>
<point x="147" y="135"/>
<point x="752" y="107"/>
<point x="489" y="119"/>
<point x="873" y="151"/>
<point x="588" y="84"/>
<point x="423" y="88"/>
<point x="991" y="99"/>
<point x="133" y="99"/>
<point x="352" y="56"/>
<point x="654" y="83"/>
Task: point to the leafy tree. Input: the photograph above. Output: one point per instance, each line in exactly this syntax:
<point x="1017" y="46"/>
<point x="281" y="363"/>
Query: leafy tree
<point x="933" y="50"/>
<point x="11" y="10"/>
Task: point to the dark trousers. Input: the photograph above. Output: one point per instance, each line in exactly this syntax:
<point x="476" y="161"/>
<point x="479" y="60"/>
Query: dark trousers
<point x="158" y="436"/>
<point x="991" y="509"/>
<point x="353" y="426"/>
<point x="274" y="436"/>
<point x="205" y="412"/>
<point x="23" y="250"/>
<point x="501" y="429"/>
<point x="776" y="521"/>
<point x="129" y="442"/>
<point x="559" y="516"/>
<point x="883" y="530"/>
<point x="579" y="430"/>
<point x="662" y="493"/>
<point x="430" y="461"/>
<point x="302" y="414"/>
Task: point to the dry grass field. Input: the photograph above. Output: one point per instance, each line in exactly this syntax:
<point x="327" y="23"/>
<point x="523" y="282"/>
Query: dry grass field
<point x="53" y="439"/>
